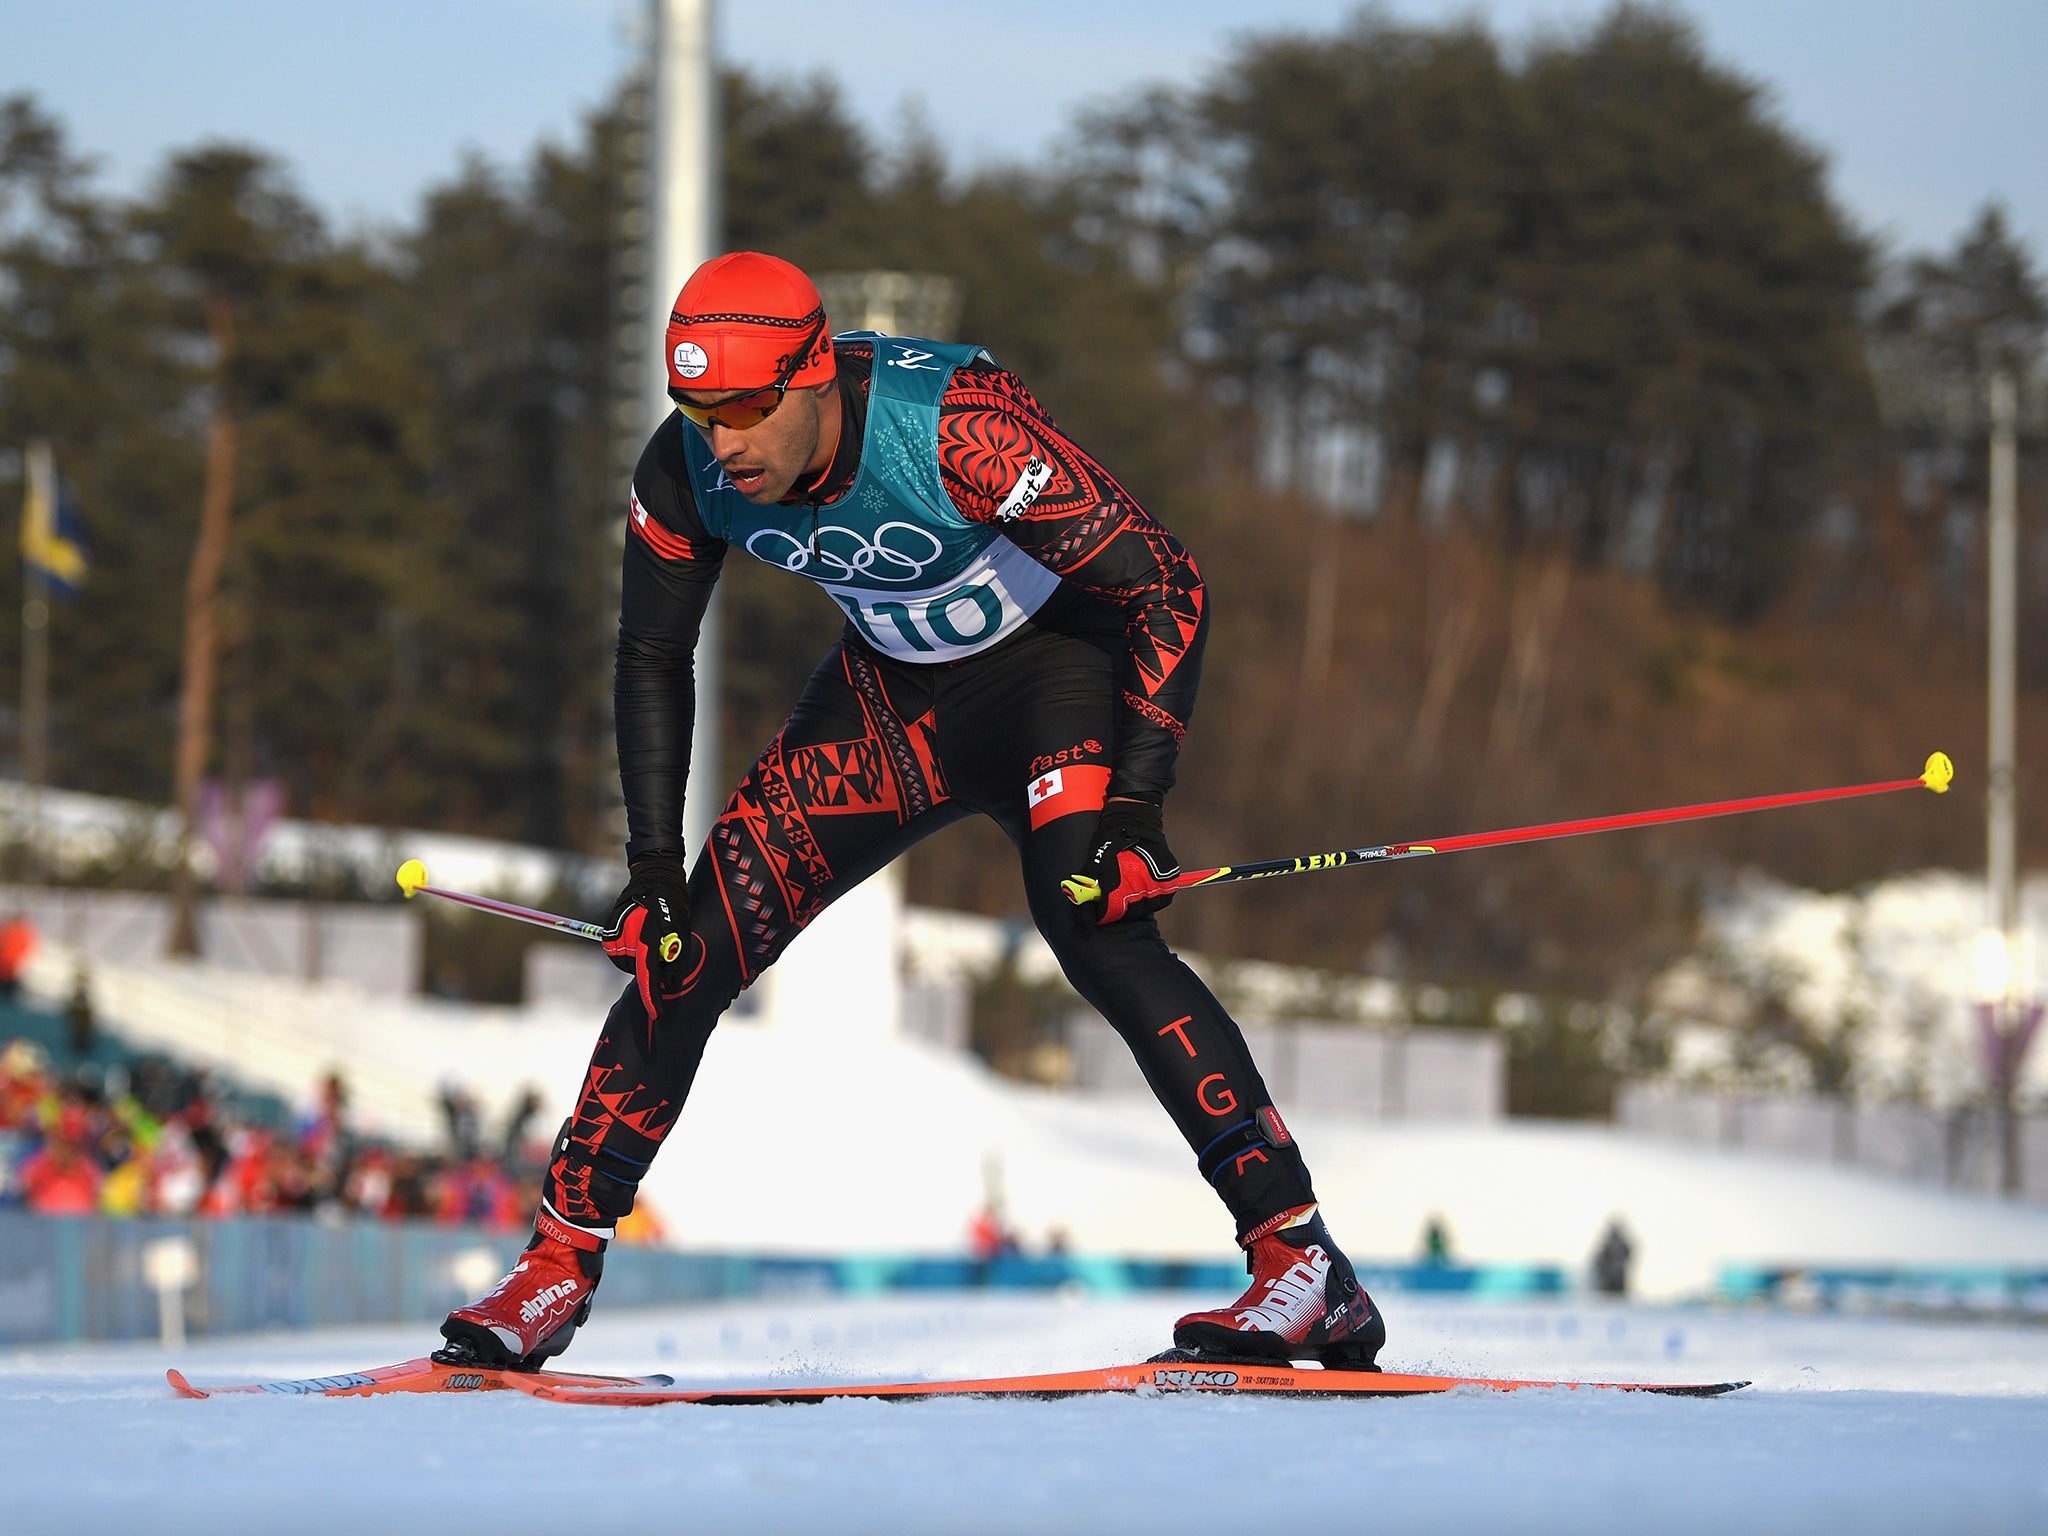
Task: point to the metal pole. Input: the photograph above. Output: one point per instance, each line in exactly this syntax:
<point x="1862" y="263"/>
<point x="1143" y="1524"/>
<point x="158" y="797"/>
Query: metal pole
<point x="683" y="233"/>
<point x="35" y="664"/>
<point x="2000" y="811"/>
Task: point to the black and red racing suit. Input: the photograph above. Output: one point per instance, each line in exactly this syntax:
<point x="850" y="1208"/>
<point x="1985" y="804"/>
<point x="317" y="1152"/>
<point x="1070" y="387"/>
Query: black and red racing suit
<point x="879" y="753"/>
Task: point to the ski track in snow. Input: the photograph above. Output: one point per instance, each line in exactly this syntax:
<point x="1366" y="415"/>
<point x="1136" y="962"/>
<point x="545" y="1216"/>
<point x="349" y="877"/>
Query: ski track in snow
<point x="1870" y="1425"/>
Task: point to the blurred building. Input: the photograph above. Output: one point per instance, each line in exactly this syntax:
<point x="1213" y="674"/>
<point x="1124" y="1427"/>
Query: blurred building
<point x="894" y="303"/>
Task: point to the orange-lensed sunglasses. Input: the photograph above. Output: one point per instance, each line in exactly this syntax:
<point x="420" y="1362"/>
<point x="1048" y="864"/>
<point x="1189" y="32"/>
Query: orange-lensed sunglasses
<point x="756" y="406"/>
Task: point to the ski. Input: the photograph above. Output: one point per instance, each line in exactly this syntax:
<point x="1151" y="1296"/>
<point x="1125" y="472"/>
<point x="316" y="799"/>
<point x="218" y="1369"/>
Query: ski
<point x="421" y="1375"/>
<point x="1160" y="1376"/>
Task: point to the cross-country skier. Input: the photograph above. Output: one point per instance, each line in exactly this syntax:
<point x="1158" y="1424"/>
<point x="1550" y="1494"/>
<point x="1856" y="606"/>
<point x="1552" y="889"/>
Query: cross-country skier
<point x="1024" y="641"/>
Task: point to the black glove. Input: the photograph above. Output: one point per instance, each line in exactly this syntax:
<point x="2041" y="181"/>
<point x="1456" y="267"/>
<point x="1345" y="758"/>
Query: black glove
<point x="1130" y="864"/>
<point x="649" y="934"/>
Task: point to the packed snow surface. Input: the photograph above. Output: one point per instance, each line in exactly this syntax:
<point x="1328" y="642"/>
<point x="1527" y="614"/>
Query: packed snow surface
<point x="1853" y="1424"/>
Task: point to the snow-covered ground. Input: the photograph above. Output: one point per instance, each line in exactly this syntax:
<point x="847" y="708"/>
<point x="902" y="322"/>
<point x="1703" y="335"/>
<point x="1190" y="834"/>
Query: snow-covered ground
<point x="1853" y="1425"/>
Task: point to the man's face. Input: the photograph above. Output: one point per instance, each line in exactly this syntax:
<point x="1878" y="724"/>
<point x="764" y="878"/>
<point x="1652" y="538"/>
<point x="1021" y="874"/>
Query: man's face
<point x="766" y="460"/>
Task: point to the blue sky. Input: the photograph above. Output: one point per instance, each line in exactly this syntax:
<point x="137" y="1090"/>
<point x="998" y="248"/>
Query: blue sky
<point x="1924" y="109"/>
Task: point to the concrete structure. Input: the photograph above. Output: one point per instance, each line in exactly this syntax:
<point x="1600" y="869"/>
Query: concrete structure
<point x="1954" y="1149"/>
<point x="374" y="948"/>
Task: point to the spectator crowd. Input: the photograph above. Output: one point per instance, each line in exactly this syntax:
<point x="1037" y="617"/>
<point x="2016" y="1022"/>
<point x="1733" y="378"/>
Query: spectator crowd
<point x="158" y="1139"/>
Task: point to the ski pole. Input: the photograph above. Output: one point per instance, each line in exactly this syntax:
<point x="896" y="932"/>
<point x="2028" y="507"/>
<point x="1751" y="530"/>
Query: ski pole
<point x="412" y="879"/>
<point x="1082" y="889"/>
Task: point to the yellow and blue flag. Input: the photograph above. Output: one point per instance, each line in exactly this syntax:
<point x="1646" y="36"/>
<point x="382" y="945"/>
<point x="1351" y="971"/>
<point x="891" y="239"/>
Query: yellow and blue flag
<point x="52" y="539"/>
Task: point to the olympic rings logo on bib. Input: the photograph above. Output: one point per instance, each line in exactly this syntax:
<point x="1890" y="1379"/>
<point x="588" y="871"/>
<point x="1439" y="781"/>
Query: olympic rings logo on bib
<point x="897" y="556"/>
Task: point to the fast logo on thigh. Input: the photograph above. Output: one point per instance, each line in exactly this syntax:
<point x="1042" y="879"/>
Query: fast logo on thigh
<point x="1080" y="752"/>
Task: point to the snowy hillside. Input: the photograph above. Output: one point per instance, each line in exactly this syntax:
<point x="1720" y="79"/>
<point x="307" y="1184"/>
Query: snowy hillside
<point x="798" y="1142"/>
<point x="1894" y="965"/>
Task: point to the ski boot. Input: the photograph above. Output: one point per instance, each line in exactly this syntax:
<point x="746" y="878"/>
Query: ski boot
<point x="1304" y="1303"/>
<point x="533" y="1313"/>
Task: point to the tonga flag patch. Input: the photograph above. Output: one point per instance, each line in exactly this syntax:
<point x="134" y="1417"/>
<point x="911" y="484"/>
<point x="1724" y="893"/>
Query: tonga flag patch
<point x="1062" y="791"/>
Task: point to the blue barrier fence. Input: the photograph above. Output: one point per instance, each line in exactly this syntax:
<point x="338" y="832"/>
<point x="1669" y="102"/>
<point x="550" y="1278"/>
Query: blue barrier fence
<point x="1957" y="1288"/>
<point x="65" y="1279"/>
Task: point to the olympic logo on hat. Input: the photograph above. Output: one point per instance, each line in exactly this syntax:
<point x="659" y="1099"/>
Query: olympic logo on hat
<point x="840" y="554"/>
<point x="690" y="360"/>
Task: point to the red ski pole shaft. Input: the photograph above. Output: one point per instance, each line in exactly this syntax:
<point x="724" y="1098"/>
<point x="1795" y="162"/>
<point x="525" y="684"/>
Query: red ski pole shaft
<point x="412" y="879"/>
<point x="1936" y="776"/>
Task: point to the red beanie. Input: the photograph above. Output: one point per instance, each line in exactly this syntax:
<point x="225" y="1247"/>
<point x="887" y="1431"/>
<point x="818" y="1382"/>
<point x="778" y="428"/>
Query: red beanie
<point x="738" y="322"/>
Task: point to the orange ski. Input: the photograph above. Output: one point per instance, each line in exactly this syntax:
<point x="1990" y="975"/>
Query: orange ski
<point x="422" y="1375"/>
<point x="1151" y="1376"/>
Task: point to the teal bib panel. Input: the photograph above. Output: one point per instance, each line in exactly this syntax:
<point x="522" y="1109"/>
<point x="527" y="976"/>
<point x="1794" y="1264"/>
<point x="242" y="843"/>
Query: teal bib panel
<point x="918" y="580"/>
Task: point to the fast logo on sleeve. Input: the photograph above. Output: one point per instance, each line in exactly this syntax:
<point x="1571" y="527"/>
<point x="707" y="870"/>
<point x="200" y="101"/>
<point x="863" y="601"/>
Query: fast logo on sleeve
<point x="1036" y="477"/>
<point x="1063" y="791"/>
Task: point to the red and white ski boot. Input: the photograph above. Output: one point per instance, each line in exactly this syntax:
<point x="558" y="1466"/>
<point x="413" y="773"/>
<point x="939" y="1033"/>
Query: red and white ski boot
<point x="1304" y="1303"/>
<point x="534" y="1312"/>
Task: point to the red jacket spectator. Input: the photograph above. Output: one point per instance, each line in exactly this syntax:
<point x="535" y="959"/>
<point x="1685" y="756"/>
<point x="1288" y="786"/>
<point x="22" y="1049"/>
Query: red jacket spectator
<point x="245" y="1187"/>
<point x="480" y="1191"/>
<point x="17" y="943"/>
<point x="60" y="1180"/>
